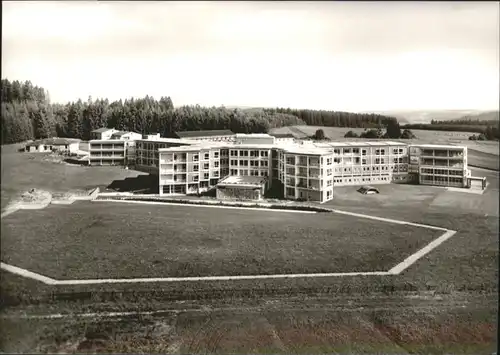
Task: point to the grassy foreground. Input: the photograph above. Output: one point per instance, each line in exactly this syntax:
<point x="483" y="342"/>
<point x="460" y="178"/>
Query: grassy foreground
<point x="101" y="239"/>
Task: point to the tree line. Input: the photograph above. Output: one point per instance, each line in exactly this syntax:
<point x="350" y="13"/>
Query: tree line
<point x="27" y="114"/>
<point x="466" y="122"/>
<point x="338" y="118"/>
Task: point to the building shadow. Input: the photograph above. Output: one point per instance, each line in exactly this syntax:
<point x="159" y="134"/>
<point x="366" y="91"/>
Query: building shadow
<point x="142" y="184"/>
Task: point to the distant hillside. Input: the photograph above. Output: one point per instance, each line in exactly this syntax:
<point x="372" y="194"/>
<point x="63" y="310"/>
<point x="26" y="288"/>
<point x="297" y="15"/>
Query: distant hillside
<point x="483" y="116"/>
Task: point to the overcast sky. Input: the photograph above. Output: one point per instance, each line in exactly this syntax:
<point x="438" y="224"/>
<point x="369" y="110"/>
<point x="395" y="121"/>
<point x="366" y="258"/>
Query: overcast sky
<point x="324" y="55"/>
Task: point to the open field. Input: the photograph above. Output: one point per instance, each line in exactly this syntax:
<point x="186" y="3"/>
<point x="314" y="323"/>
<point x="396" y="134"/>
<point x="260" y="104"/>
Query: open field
<point x="99" y="240"/>
<point x="265" y="329"/>
<point x="23" y="171"/>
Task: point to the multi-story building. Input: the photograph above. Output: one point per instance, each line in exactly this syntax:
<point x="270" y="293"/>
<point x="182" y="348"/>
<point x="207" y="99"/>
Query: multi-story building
<point x="116" y="148"/>
<point x="107" y="152"/>
<point x="302" y="170"/>
<point x="441" y="165"/>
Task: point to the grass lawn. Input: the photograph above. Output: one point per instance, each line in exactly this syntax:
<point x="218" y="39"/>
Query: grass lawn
<point x="23" y="171"/>
<point x="100" y="240"/>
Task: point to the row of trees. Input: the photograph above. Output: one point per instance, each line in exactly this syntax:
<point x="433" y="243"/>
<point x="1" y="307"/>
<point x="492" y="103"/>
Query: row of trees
<point x="491" y="132"/>
<point x="338" y="118"/>
<point x="466" y="122"/>
<point x="27" y="114"/>
<point x="379" y="134"/>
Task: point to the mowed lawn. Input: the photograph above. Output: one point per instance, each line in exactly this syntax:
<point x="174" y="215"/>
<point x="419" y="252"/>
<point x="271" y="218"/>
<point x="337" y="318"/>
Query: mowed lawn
<point x="23" y="171"/>
<point x="115" y="240"/>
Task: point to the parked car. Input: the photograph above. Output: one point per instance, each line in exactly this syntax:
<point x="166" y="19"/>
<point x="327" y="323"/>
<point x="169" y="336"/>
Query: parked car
<point x="368" y="190"/>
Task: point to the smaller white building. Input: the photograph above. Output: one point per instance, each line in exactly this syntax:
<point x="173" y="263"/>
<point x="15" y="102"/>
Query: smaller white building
<point x="63" y="145"/>
<point x="126" y="136"/>
<point x="242" y="188"/>
<point x="102" y="133"/>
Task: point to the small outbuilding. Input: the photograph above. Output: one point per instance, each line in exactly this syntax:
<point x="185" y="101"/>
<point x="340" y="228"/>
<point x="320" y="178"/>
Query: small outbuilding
<point x="242" y="188"/>
<point x="63" y="145"/>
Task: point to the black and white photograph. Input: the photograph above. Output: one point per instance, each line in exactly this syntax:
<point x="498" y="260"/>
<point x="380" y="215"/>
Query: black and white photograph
<point x="249" y="177"/>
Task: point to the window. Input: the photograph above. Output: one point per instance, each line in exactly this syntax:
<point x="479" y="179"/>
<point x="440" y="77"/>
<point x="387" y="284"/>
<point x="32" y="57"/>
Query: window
<point x="329" y="172"/>
<point x="216" y="154"/>
<point x="347" y="150"/>
<point x="206" y="176"/>
<point x="195" y="179"/>
<point x="329" y="183"/>
<point x="363" y="152"/>
<point x="264" y="153"/>
<point x="243" y="153"/>
<point x="196" y="167"/>
<point x="234" y="162"/>
<point x="264" y="163"/>
<point x="234" y="153"/>
<point x="329" y="161"/>
<point x="206" y="166"/>
<point x="207" y="156"/>
<point x="196" y="157"/>
<point x="363" y="161"/>
<point x="382" y="151"/>
<point x="336" y="151"/>
<point x="216" y="164"/>
<point x="377" y="161"/>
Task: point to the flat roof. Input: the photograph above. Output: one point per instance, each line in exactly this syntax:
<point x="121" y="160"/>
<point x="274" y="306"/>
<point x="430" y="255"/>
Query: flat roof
<point x="102" y="130"/>
<point x="253" y="135"/>
<point x="157" y="139"/>
<point x="439" y="146"/>
<point x="211" y="133"/>
<point x="243" y="181"/>
<point x="53" y="141"/>
<point x="122" y="133"/>
<point x="282" y="135"/>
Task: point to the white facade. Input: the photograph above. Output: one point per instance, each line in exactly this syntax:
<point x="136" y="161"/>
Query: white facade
<point x="440" y="165"/>
<point x="102" y="133"/>
<point x="308" y="171"/>
<point x="107" y="152"/>
<point x="304" y="170"/>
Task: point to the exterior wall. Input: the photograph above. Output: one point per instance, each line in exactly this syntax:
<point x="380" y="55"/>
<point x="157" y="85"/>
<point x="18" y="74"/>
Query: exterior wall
<point x="240" y="193"/>
<point x="249" y="161"/>
<point x="254" y="139"/>
<point x="107" y="152"/>
<point x="103" y="135"/>
<point x="311" y="176"/>
<point x="441" y="166"/>
<point x="193" y="171"/>
<point x="225" y="138"/>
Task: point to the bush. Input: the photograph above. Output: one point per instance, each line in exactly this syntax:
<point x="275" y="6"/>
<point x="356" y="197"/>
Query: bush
<point x="407" y="134"/>
<point x="351" y="134"/>
<point x="319" y="135"/>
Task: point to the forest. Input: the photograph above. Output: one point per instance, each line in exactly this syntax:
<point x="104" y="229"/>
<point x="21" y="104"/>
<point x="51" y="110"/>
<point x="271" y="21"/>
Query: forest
<point x="28" y="114"/>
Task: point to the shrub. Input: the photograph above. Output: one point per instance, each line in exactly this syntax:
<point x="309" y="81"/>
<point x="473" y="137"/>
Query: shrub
<point x="351" y="134"/>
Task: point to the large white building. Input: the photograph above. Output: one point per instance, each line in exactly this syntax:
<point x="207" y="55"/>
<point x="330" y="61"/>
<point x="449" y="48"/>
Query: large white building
<point x="304" y="170"/>
<point x="301" y="170"/>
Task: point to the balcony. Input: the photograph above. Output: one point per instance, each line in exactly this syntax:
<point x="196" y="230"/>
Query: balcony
<point x="315" y="176"/>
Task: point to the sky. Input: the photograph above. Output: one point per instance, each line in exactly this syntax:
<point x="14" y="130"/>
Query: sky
<point x="353" y="56"/>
